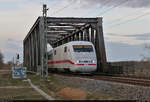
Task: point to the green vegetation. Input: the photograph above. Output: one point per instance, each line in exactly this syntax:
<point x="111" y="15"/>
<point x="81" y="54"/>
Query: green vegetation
<point x="7" y="80"/>
<point x="35" y="79"/>
<point x="19" y="94"/>
<point x="16" y="89"/>
<point x="50" y="87"/>
<point x="13" y="82"/>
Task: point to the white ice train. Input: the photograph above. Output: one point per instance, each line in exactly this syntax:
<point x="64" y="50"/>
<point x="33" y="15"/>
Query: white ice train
<point x="75" y="56"/>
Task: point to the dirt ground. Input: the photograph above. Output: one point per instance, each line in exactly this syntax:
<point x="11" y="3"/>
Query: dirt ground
<point x="75" y="94"/>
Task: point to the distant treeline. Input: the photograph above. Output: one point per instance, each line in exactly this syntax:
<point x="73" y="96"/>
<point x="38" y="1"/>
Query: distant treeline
<point x="1" y="59"/>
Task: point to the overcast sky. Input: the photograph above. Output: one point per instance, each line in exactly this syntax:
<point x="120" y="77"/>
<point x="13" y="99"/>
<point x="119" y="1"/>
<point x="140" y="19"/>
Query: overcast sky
<point x="126" y="23"/>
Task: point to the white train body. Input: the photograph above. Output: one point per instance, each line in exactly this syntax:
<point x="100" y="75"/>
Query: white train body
<point x="77" y="56"/>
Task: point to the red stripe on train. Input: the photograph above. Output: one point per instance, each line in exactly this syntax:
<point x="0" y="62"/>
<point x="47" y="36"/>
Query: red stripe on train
<point x="68" y="61"/>
<point x="64" y="61"/>
<point x="92" y="64"/>
<point x="79" y="64"/>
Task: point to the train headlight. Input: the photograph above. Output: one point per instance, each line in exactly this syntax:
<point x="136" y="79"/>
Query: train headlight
<point x="77" y="61"/>
<point x="93" y="61"/>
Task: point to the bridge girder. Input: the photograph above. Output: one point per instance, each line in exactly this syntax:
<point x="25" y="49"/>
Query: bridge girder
<point x="61" y="31"/>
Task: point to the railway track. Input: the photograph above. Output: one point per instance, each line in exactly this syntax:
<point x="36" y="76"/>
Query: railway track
<point x="125" y="80"/>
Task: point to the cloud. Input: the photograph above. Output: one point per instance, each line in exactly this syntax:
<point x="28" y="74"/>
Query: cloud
<point x="131" y="39"/>
<point x="21" y="20"/>
<point x="9" y="1"/>
<point x="13" y="43"/>
<point x="117" y="51"/>
<point x="123" y="3"/>
<point x="145" y="36"/>
<point x="9" y="5"/>
<point x="11" y="47"/>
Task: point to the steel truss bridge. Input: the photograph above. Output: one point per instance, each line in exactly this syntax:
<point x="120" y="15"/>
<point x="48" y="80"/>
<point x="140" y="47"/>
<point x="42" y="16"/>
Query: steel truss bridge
<point x="60" y="31"/>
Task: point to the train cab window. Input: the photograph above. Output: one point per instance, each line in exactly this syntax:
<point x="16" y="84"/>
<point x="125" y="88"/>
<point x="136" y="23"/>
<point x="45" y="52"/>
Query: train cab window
<point x="55" y="52"/>
<point x="83" y="48"/>
<point x="65" y="49"/>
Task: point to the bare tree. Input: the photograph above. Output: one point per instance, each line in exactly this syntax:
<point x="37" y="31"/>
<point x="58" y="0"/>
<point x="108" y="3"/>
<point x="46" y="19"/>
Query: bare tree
<point x="148" y="49"/>
<point x="143" y="68"/>
<point x="1" y="59"/>
<point x="144" y="57"/>
<point x="9" y="63"/>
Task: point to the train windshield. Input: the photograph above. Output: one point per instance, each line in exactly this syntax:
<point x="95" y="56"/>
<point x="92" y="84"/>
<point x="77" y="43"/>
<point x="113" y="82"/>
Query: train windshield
<point x="82" y="48"/>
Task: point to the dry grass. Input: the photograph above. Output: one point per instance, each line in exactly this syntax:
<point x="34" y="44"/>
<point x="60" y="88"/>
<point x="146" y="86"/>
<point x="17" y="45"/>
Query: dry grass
<point x="16" y="89"/>
<point x="142" y="69"/>
<point x="19" y="94"/>
<point x="7" y="80"/>
<point x="138" y="69"/>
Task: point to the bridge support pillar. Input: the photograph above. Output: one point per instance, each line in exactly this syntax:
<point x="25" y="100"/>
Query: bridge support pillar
<point x="100" y="48"/>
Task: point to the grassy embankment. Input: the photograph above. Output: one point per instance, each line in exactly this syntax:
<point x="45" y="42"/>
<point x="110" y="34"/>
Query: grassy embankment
<point x="16" y="89"/>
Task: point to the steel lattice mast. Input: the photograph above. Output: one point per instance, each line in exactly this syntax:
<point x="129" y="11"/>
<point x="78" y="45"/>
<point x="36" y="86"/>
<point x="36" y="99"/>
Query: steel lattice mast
<point x="44" y="65"/>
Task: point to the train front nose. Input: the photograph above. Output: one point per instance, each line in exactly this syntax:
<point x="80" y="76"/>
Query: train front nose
<point x="86" y="67"/>
<point x="85" y="58"/>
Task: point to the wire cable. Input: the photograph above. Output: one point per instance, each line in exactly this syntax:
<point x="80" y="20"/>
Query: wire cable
<point x="101" y="6"/>
<point x="119" y="19"/>
<point x="61" y="9"/>
<point x="130" y="20"/>
<point x="121" y="3"/>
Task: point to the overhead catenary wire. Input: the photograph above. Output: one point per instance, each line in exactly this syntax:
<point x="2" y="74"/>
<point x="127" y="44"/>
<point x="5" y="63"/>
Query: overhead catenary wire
<point x="102" y="6"/>
<point x="61" y="9"/>
<point x="109" y="9"/>
<point x="120" y="18"/>
<point x="130" y="20"/>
